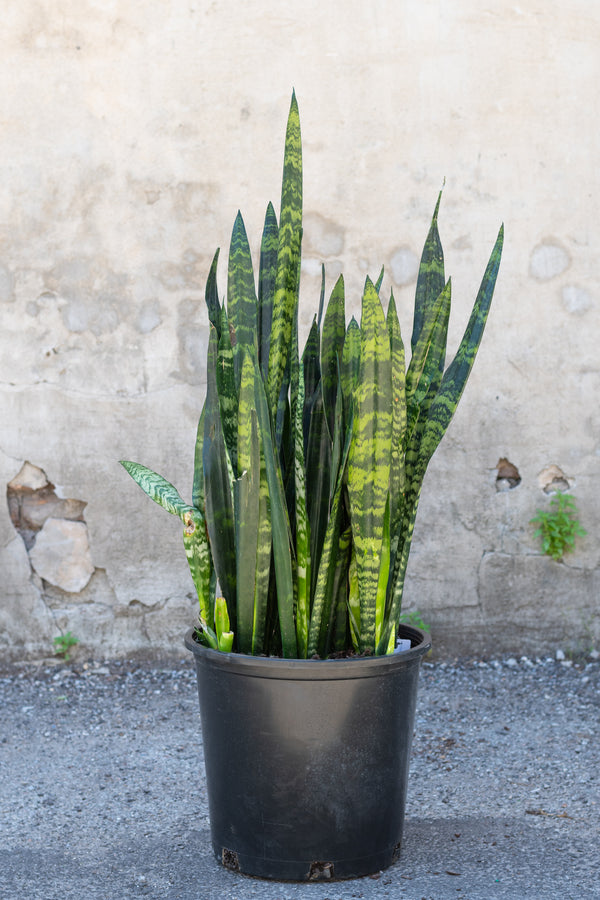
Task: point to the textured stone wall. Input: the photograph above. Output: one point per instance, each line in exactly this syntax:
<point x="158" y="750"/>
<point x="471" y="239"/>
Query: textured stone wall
<point x="133" y="131"/>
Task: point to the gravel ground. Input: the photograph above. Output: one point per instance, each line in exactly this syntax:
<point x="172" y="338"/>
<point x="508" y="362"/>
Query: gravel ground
<point x="103" y="792"/>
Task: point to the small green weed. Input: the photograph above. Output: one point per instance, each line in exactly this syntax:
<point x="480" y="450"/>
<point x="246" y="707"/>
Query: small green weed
<point x="415" y="619"/>
<point x="63" y="643"/>
<point x="558" y="526"/>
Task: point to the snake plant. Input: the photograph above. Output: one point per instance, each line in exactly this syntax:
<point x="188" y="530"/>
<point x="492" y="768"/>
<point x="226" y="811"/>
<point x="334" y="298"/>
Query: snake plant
<point x="308" y="467"/>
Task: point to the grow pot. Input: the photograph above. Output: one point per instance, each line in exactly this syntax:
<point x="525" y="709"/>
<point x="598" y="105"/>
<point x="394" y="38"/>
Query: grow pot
<point x="307" y="760"/>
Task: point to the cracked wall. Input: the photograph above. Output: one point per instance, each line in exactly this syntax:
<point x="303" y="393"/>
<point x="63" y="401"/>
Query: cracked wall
<point x="130" y="140"/>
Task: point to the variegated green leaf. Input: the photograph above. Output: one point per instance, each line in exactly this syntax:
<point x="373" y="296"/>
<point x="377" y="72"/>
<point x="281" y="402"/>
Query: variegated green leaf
<point x="397" y="472"/>
<point x="242" y="305"/>
<point x="303" y="560"/>
<point x="414" y="375"/>
<point x="197" y="551"/>
<point x="430" y="280"/>
<point x="311" y="364"/>
<point x="338" y="636"/>
<point x="227" y="390"/>
<point x="387" y="642"/>
<point x="453" y="383"/>
<point x="354" y="602"/>
<point x="158" y="489"/>
<point x="282" y="558"/>
<point x="321" y="298"/>
<point x="218" y="480"/>
<point x="194" y="533"/>
<point x="324" y="600"/>
<point x="318" y="476"/>
<point x="339" y="438"/>
<point x="332" y="345"/>
<point x="247" y="531"/>
<point x="212" y="296"/>
<point x="263" y="563"/>
<point x="430" y="430"/>
<point x="431" y="376"/>
<point x="288" y="258"/>
<point x="350" y="366"/>
<point x="370" y="453"/>
<point x="198" y="483"/>
<point x="222" y="626"/>
<point x="266" y="286"/>
<point x="260" y="530"/>
<point x="384" y="576"/>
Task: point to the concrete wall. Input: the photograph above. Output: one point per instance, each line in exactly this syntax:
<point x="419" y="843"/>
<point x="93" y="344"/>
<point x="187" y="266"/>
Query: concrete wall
<point x="131" y="133"/>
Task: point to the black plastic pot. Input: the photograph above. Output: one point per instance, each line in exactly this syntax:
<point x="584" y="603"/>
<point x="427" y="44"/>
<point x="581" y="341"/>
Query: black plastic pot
<point x="306" y="760"/>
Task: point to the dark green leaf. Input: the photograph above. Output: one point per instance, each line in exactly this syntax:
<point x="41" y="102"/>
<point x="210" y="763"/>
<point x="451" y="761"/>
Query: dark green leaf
<point x="266" y="286"/>
<point x="247" y="531"/>
<point x="212" y="296"/>
<point x="218" y="478"/>
<point x="430" y="280"/>
<point x="332" y="345"/>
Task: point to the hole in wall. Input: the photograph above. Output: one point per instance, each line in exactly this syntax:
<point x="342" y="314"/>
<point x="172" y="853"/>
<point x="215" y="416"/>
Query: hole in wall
<point x="507" y="476"/>
<point x="553" y="480"/>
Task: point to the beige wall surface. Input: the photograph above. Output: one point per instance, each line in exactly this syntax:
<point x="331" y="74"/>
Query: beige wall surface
<point x="132" y="131"/>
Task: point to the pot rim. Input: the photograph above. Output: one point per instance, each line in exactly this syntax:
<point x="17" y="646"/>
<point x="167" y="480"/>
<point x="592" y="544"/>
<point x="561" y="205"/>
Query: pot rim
<point x="315" y="669"/>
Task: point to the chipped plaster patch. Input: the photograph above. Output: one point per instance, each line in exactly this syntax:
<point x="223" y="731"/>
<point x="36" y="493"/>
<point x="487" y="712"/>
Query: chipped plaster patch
<point x="61" y="554"/>
<point x="52" y="528"/>
<point x="552" y="479"/>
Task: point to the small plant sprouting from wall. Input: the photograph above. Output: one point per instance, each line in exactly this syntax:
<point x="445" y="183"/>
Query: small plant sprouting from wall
<point x="558" y="526"/>
<point x="415" y="618"/>
<point x="63" y="643"/>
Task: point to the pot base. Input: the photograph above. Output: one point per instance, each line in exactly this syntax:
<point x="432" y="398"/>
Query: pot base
<point x="302" y="870"/>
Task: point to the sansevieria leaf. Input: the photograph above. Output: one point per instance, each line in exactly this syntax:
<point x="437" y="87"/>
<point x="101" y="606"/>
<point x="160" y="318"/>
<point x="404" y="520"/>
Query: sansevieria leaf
<point x="227" y="390"/>
<point x="266" y="286"/>
<point x="455" y="377"/>
<point x="247" y="530"/>
<point x="218" y="480"/>
<point x="324" y="593"/>
<point x="332" y="345"/>
<point x="242" y="304"/>
<point x="197" y="551"/>
<point x="430" y="280"/>
<point x="350" y="366"/>
<point x="370" y="452"/>
<point x="158" y="489"/>
<point x="282" y="559"/>
<point x="303" y="558"/>
<point x="288" y="258"/>
<point x="397" y="471"/>
<point x="253" y="527"/>
<point x="212" y="296"/>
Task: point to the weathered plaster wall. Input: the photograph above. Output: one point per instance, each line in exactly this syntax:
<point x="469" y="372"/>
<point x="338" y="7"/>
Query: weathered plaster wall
<point x="132" y="132"/>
